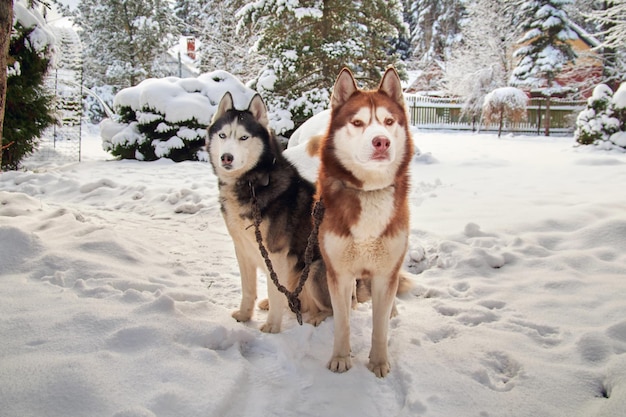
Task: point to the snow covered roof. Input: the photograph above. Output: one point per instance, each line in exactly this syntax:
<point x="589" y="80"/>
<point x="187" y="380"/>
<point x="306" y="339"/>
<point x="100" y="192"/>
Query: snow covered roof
<point x="583" y="34"/>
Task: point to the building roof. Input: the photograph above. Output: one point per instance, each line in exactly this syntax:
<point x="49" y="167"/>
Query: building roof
<point x="585" y="36"/>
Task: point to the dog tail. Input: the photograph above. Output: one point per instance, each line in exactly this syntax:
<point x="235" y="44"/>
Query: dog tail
<point x="406" y="282"/>
<point x="364" y="286"/>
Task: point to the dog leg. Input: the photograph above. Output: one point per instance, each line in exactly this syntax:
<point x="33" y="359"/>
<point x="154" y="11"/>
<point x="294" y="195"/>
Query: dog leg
<point x="315" y="297"/>
<point x="317" y="317"/>
<point x="383" y="293"/>
<point x="278" y="302"/>
<point x="247" y="270"/>
<point x="341" y="288"/>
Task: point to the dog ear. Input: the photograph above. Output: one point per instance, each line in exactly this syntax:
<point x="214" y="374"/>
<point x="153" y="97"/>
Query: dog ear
<point x="345" y="86"/>
<point x="259" y="111"/>
<point x="390" y="85"/>
<point x="226" y="103"/>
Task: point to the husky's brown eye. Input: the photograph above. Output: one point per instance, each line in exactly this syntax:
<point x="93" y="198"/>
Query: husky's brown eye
<point x="357" y="123"/>
<point x="389" y="121"/>
<point x="244" y="137"/>
<point x="222" y="135"/>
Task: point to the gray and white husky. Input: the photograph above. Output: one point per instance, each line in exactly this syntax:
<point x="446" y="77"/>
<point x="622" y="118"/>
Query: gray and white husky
<point x="247" y="158"/>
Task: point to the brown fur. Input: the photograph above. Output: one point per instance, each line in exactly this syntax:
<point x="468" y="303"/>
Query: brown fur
<point x="364" y="234"/>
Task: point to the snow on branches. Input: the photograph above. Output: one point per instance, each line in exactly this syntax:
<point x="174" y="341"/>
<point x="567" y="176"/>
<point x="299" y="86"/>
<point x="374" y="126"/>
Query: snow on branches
<point x="603" y="122"/>
<point x="167" y="117"/>
<point x="504" y="104"/>
<point x="543" y="49"/>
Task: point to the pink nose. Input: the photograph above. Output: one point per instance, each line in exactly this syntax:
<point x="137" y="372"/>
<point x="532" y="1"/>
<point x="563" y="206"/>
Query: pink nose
<point x="381" y="143"/>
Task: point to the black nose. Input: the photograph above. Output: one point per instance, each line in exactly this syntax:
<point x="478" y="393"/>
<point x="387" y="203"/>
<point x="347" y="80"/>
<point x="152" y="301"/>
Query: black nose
<point x="227" y="159"/>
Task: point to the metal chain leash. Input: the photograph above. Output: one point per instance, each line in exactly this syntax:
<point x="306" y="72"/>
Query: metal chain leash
<point x="292" y="296"/>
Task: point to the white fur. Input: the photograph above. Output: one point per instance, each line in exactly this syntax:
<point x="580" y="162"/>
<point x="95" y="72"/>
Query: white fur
<point x="354" y="147"/>
<point x="314" y="126"/>
<point x="245" y="152"/>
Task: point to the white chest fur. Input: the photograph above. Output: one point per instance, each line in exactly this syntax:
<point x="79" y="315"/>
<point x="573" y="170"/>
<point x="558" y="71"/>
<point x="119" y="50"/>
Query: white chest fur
<point x="366" y="248"/>
<point x="377" y="209"/>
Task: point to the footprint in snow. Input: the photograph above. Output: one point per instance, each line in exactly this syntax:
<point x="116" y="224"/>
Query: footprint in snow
<point x="499" y="371"/>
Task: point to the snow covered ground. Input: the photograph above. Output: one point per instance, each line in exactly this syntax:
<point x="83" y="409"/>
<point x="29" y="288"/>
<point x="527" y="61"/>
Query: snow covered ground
<point x="117" y="280"/>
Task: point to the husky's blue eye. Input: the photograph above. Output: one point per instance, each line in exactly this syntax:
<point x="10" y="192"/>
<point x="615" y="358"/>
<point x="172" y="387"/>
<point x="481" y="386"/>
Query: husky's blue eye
<point x="222" y="135"/>
<point x="244" y="137"/>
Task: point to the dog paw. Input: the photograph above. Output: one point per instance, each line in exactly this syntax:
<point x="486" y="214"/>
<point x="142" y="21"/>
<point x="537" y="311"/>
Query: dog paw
<point x="264" y="304"/>
<point x="270" y="328"/>
<point x="241" y="315"/>
<point x="318" y="318"/>
<point x="394" y="311"/>
<point x="380" y="369"/>
<point x="340" y="364"/>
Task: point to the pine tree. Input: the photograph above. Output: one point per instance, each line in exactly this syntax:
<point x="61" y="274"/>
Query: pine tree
<point x="124" y="40"/>
<point x="544" y="49"/>
<point x="28" y="103"/>
<point x="307" y="45"/>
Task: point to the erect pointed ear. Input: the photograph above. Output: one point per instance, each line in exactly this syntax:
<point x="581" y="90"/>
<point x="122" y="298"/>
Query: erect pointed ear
<point x="259" y="111"/>
<point x="226" y="103"/>
<point x="345" y="86"/>
<point x="390" y="85"/>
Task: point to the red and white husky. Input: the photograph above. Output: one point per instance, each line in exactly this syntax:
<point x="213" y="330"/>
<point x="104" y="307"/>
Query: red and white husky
<point x="364" y="183"/>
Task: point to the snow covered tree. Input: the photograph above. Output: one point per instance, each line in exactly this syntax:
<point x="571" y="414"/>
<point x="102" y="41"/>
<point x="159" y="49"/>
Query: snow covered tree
<point x="596" y="122"/>
<point x="29" y="109"/>
<point x="481" y="61"/>
<point x="124" y="40"/>
<point x="505" y="104"/>
<point x="308" y="42"/>
<point x="609" y="24"/>
<point x="219" y="46"/>
<point x="435" y="30"/>
<point x="613" y="20"/>
<point x="544" y="49"/>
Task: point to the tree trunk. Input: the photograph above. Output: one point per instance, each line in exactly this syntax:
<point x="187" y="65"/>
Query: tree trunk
<point x="6" y="25"/>
<point x="547" y="118"/>
<point x="501" y="121"/>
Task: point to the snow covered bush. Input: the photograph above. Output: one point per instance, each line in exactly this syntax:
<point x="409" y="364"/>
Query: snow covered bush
<point x="603" y="122"/>
<point x="617" y="140"/>
<point x="596" y="122"/>
<point x="29" y="110"/>
<point x="504" y="104"/>
<point x="168" y="117"/>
